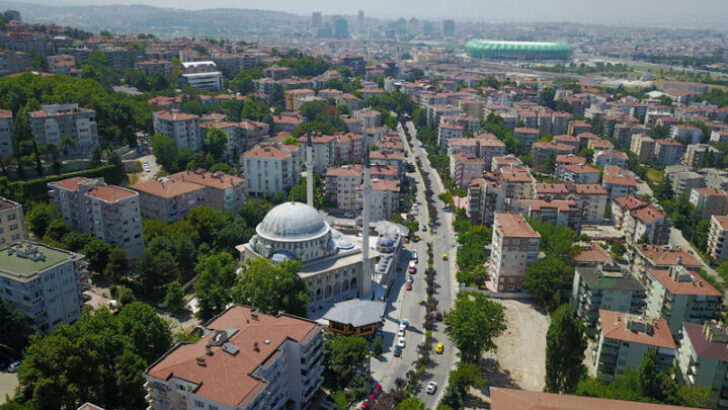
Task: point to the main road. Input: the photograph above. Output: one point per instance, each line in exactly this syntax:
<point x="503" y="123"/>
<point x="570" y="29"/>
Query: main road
<point x="406" y="304"/>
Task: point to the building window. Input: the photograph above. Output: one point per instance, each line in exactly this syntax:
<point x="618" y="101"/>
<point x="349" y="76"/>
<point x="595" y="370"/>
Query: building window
<point x="199" y="404"/>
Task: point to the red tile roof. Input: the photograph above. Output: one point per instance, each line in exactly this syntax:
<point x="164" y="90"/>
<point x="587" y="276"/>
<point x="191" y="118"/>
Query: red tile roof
<point x="226" y="378"/>
<point x="545" y="188"/>
<point x="648" y="214"/>
<point x="589" y="189"/>
<point x="167" y="187"/>
<point x="71" y="183"/>
<point x="580" y="169"/>
<point x="614" y="326"/>
<point x="592" y="252"/>
<point x="722" y="221"/>
<point x="570" y="159"/>
<point x="513" y="399"/>
<point x="704" y="348"/>
<point x="514" y="226"/>
<point x="267" y="151"/>
<point x="562" y="205"/>
<point x="175" y="115"/>
<point x="111" y="193"/>
<point x="629" y="202"/>
<point x="659" y="256"/>
<point x="216" y="180"/>
<point x="695" y="286"/>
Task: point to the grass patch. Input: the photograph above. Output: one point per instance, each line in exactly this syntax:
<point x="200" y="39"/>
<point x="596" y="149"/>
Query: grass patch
<point x="340" y="399"/>
<point x="654" y="176"/>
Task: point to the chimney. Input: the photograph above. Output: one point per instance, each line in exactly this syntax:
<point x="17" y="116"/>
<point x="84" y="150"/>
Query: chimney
<point x="208" y="350"/>
<point x="256" y="347"/>
<point x="201" y="361"/>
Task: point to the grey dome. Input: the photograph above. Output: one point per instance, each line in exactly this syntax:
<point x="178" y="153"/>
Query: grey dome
<point x="292" y="221"/>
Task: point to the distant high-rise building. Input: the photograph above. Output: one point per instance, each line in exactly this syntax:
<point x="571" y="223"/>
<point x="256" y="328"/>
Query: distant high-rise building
<point x="448" y="28"/>
<point x="316" y="19"/>
<point x="360" y="21"/>
<point x="341" y="27"/>
<point x="413" y="26"/>
<point x="428" y="28"/>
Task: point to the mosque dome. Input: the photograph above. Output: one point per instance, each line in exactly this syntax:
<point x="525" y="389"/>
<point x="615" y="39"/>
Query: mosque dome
<point x="292" y="221"/>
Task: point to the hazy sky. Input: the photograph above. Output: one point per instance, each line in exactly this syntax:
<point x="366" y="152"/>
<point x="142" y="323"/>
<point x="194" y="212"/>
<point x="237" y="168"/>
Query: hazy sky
<point x="666" y="12"/>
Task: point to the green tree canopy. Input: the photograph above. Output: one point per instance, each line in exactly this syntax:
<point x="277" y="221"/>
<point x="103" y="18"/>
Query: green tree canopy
<point x="216" y="276"/>
<point x="15" y="328"/>
<point x="343" y="355"/>
<point x="473" y="324"/>
<point x="272" y="288"/>
<point x="545" y="279"/>
<point x="565" y="346"/>
<point x="97" y="254"/>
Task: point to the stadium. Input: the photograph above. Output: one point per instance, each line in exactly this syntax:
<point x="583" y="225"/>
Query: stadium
<point x="517" y="50"/>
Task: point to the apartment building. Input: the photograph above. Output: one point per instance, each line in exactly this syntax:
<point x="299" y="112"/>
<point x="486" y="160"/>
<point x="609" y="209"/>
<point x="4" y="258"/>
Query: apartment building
<point x="53" y="124"/>
<point x="669" y="152"/>
<point x="505" y="161"/>
<point x="648" y="224"/>
<point x="709" y="201"/>
<point x="618" y="183"/>
<point x="485" y="198"/>
<point x="696" y="155"/>
<point x="168" y="198"/>
<point x="545" y="153"/>
<point x="368" y="118"/>
<point x="644" y="147"/>
<point x="516" y="182"/>
<point x="151" y="67"/>
<point x="12" y="223"/>
<point x="611" y="157"/>
<point x="592" y="200"/>
<point x="7" y="131"/>
<point x="43" y="283"/>
<point x="109" y="212"/>
<point x="623" y="339"/>
<point x="349" y="147"/>
<point x="13" y="62"/>
<point x="202" y="75"/>
<point x="223" y="192"/>
<point x="579" y="174"/>
<point x="548" y="191"/>
<point x="591" y="255"/>
<point x="388" y="157"/>
<point x="182" y="127"/>
<point x="560" y="122"/>
<point x="683" y="179"/>
<point x="608" y="287"/>
<point x="526" y="137"/>
<point x="448" y="131"/>
<point x="718" y="238"/>
<point x="515" y="246"/>
<point x="687" y="134"/>
<point x="514" y="399"/>
<point x="383" y="199"/>
<point x="702" y="360"/>
<point x="564" y="212"/>
<point x="291" y="97"/>
<point x="679" y="295"/>
<point x="245" y="360"/>
<point x="324" y="151"/>
<point x="464" y="168"/>
<point x="343" y="185"/>
<point x="271" y="168"/>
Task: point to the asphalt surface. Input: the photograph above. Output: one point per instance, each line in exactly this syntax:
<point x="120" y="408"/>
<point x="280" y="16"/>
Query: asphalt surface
<point x="406" y="304"/>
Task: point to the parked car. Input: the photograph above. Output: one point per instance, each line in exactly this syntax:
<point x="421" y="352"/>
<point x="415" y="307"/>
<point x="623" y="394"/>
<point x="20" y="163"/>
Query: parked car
<point x="410" y="278"/>
<point x="409" y="285"/>
<point x="14" y="366"/>
<point x="439" y="348"/>
<point x="401" y="342"/>
<point x="412" y="267"/>
<point x="404" y="322"/>
<point x="413" y="256"/>
<point x="397" y="351"/>
<point x="401" y="331"/>
<point x="431" y="388"/>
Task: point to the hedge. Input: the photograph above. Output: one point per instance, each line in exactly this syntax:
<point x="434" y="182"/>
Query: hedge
<point x="37" y="189"/>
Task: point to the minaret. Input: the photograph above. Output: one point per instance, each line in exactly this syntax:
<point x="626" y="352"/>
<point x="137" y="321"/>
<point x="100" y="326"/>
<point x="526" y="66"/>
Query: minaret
<point x="366" y="191"/>
<point x="309" y="170"/>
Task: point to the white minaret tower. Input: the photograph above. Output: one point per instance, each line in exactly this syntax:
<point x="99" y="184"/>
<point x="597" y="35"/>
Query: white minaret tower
<point x="309" y="170"/>
<point x="366" y="191"/>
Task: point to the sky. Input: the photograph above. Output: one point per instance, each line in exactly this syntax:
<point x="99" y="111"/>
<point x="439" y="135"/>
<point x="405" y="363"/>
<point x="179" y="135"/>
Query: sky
<point x="633" y="12"/>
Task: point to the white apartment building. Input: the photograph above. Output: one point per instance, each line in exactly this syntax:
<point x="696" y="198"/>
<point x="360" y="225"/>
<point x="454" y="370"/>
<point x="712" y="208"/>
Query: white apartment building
<point x="515" y="246"/>
<point x="324" y="151"/>
<point x="12" y="223"/>
<point x="679" y="295"/>
<point x="485" y="198"/>
<point x="718" y="238"/>
<point x="202" y="75"/>
<point x="649" y="223"/>
<point x="702" y="360"/>
<point x="42" y="282"/>
<point x="245" y="360"/>
<point x="7" y="129"/>
<point x="271" y="168"/>
<point x="592" y="199"/>
<point x="182" y="127"/>
<point x="109" y="212"/>
<point x="623" y="339"/>
<point x="52" y="124"/>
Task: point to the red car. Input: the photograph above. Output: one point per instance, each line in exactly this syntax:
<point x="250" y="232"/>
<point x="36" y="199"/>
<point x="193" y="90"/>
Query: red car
<point x="409" y="285"/>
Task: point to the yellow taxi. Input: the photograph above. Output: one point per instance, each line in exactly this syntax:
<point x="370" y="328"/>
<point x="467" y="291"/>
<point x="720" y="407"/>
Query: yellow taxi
<point x="406" y="240"/>
<point x="444" y="256"/>
<point x="417" y="238"/>
<point x="439" y="348"/>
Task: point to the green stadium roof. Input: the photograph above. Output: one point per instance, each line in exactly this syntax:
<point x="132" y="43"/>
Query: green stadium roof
<point x="490" y="47"/>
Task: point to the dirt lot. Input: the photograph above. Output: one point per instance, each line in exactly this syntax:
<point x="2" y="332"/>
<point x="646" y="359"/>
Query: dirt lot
<point x="520" y="359"/>
<point x="8" y="383"/>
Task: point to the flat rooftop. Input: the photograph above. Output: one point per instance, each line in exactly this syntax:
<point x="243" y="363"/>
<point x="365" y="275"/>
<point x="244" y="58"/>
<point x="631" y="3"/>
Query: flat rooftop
<point x="39" y="258"/>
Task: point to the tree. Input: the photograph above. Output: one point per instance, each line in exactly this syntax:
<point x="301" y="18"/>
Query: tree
<point x="544" y="280"/>
<point x="460" y="380"/>
<point x="556" y="240"/>
<point x="174" y="299"/>
<point x="663" y="190"/>
<point x="473" y="324"/>
<point x="233" y="234"/>
<point x="377" y="346"/>
<point x="97" y="254"/>
<point x="157" y="266"/>
<point x="96" y="152"/>
<point x="215" y="144"/>
<point x="343" y="355"/>
<point x="216" y="276"/>
<point x="40" y="216"/>
<point x="410" y="403"/>
<point x="253" y="211"/>
<point x="149" y="333"/>
<point x="98" y="358"/>
<point x="272" y="288"/>
<point x="118" y="265"/>
<point x="446" y="198"/>
<point x="56" y="231"/>
<point x="546" y="97"/>
<point x="123" y="295"/>
<point x="15" y="329"/>
<point x="565" y="346"/>
<point x="618" y="249"/>
<point x="165" y="152"/>
<point x="206" y="221"/>
<point x="75" y="241"/>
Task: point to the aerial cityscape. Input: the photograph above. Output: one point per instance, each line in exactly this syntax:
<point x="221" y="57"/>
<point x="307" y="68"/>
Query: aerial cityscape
<point x="339" y="205"/>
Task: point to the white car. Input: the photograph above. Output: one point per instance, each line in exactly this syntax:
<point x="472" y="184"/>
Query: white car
<point x="400" y="333"/>
<point x="414" y="256"/>
<point x="431" y="387"/>
<point x="14" y="366"/>
<point x="404" y="322"/>
<point x="401" y="343"/>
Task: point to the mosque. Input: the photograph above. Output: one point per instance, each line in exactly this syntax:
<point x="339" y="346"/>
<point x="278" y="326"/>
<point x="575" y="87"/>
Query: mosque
<point x="334" y="267"/>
